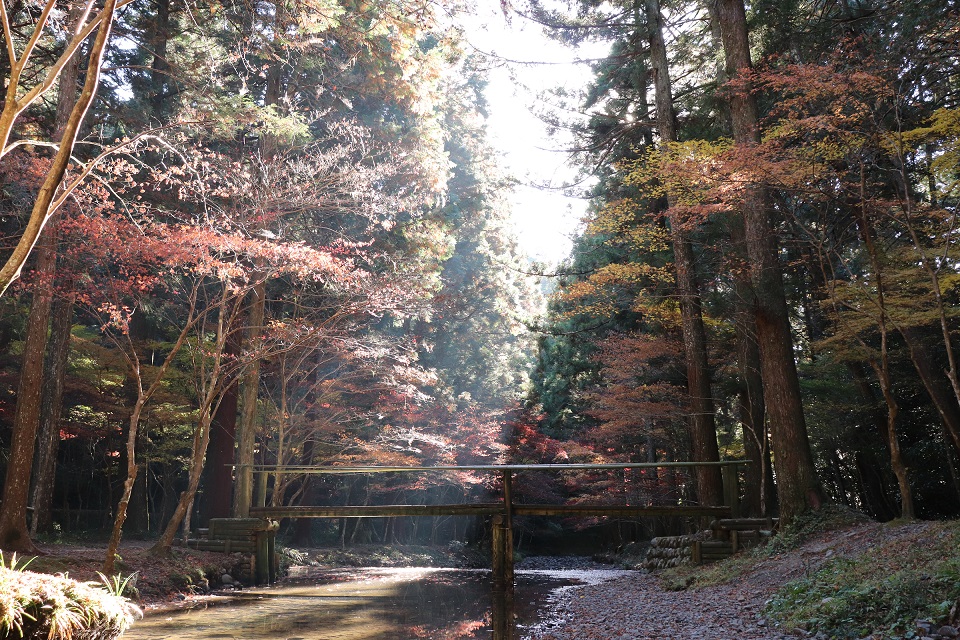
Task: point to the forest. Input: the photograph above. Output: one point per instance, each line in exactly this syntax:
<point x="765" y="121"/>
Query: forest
<point x="277" y="233"/>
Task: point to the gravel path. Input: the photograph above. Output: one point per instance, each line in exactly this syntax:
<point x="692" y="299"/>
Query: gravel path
<point x="632" y="606"/>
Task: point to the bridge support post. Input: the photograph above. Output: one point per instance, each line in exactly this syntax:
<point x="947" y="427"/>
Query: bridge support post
<point x="502" y="555"/>
<point x="502" y="616"/>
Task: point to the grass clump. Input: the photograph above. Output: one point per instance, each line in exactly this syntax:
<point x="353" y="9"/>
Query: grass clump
<point x="884" y="590"/>
<point x="39" y="606"/>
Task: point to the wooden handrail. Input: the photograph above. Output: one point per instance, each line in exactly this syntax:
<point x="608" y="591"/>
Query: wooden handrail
<point x="489" y="467"/>
<point x="485" y="509"/>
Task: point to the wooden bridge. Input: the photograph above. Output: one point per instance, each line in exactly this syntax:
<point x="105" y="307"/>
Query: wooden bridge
<point x="502" y="511"/>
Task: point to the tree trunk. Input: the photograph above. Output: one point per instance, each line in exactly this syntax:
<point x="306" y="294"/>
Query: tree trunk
<point x="201" y="440"/>
<point x="109" y="565"/>
<point x="41" y="211"/>
<point x="211" y="394"/>
<point x="26" y="423"/>
<point x="897" y="462"/>
<point x="874" y="495"/>
<point x="218" y="497"/>
<point x="760" y="489"/>
<point x="246" y="435"/>
<point x="798" y="487"/>
<point x="703" y="431"/>
<point x="45" y="471"/>
<point x="159" y="68"/>
<point x="881" y="366"/>
<point x="14" y="535"/>
<point x="143" y="397"/>
<point x="937" y="386"/>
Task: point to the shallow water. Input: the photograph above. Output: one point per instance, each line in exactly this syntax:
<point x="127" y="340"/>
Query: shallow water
<point x="368" y="604"/>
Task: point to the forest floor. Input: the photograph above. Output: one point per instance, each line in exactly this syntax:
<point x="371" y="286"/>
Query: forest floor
<point x="864" y="580"/>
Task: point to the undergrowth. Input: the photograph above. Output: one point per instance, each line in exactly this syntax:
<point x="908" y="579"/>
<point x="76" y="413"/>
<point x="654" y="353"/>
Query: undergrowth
<point x="828" y="518"/>
<point x="883" y="591"/>
<point x="34" y="605"/>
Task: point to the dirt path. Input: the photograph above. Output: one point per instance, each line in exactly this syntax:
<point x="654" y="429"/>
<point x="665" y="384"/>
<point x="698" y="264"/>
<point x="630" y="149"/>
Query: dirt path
<point x="636" y="607"/>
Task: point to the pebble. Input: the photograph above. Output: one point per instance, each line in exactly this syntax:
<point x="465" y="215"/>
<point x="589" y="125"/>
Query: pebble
<point x="617" y="605"/>
<point x="633" y="607"/>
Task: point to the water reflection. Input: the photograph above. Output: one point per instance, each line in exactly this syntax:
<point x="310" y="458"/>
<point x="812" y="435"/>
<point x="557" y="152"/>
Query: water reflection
<point x="364" y="604"/>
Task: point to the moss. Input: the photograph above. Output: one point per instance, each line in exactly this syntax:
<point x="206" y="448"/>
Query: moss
<point x="40" y="606"/>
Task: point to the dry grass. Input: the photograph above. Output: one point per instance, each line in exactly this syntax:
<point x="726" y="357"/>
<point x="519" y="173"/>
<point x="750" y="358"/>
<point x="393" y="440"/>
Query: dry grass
<point x="48" y="607"/>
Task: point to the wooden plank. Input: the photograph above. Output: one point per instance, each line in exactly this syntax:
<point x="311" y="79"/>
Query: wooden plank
<point x="482" y="509"/>
<point x="224" y="546"/>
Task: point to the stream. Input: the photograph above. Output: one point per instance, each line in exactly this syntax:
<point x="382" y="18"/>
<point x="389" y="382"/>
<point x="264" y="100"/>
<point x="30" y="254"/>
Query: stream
<point x="373" y="604"/>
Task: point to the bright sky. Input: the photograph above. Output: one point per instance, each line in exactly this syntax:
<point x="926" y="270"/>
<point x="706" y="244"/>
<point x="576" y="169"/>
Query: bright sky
<point x="545" y="219"/>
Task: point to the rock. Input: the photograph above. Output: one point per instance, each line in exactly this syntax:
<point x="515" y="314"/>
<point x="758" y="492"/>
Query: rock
<point x="947" y="631"/>
<point x="227" y="579"/>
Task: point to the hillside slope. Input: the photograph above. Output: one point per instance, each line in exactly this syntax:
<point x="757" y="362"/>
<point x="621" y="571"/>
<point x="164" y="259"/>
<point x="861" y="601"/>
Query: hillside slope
<point x="863" y="580"/>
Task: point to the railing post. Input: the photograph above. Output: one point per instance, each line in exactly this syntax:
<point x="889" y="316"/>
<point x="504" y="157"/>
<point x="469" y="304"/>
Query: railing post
<point x="262" y="558"/>
<point x="508" y="497"/>
<point x="731" y="488"/>
<point x="243" y="491"/>
<point x="273" y="568"/>
<point x="260" y="489"/>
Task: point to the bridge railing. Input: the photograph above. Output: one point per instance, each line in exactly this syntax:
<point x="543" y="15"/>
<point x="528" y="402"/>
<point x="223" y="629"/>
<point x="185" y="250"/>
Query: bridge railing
<point x="505" y="506"/>
<point x="502" y="511"/>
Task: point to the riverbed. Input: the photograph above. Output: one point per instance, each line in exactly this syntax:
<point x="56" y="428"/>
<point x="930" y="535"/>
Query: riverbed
<point x="375" y="604"/>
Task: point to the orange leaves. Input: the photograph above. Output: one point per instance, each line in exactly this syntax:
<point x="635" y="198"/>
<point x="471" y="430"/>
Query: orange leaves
<point x="847" y="96"/>
<point x="642" y="391"/>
